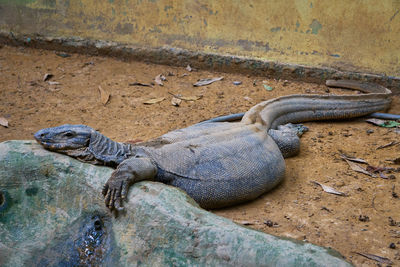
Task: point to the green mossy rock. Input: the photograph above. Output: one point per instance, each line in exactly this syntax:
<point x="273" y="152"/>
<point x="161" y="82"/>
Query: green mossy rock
<point x="52" y="214"/>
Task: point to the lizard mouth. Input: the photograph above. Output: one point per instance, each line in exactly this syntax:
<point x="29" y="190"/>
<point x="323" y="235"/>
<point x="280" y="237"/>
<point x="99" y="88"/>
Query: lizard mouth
<point x="59" y="146"/>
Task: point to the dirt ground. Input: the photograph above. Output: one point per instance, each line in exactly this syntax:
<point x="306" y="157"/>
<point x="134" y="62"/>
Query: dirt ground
<point x="367" y="220"/>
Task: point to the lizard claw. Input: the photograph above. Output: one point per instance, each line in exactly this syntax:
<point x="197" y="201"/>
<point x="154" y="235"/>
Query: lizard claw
<point x="115" y="190"/>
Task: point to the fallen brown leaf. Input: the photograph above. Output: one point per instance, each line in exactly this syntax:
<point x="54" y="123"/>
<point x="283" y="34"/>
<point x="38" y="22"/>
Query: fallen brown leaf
<point x="207" y="81"/>
<point x="3" y="122"/>
<point x="329" y="189"/>
<point x="376" y="258"/>
<point x="345" y="157"/>
<point x="358" y="168"/>
<point x="191" y="98"/>
<point x="153" y="101"/>
<point x="104" y="96"/>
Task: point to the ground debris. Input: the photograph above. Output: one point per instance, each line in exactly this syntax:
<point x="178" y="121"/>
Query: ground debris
<point x="267" y="87"/>
<point x="47" y="76"/>
<point x="379" y="170"/>
<point x="159" y="79"/>
<point x="393" y="222"/>
<point x="395" y="233"/>
<point x="358" y="168"/>
<point x="186" y="98"/>
<point x="270" y="223"/>
<point x="63" y="55"/>
<point x="247" y="222"/>
<point x="189" y="68"/>
<point x="346" y="157"/>
<point x="394" y="194"/>
<point x="141" y="84"/>
<point x="375" y="258"/>
<point x="176" y="101"/>
<point x="384" y="123"/>
<point x="3" y="122"/>
<point x="53" y="83"/>
<point x="153" y="101"/>
<point x="388" y="145"/>
<point x="329" y="189"/>
<point x="207" y="81"/>
<point x="396" y="160"/>
<point x="104" y="96"/>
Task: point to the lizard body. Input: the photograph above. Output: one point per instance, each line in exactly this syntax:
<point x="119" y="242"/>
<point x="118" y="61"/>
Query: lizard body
<point x="218" y="164"/>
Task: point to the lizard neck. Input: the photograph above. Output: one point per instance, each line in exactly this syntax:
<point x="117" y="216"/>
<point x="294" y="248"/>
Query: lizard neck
<point x="104" y="151"/>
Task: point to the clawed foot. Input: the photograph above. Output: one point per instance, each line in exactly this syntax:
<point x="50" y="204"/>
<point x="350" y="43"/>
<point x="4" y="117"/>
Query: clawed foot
<point x="128" y="172"/>
<point x="299" y="129"/>
<point x="116" y="190"/>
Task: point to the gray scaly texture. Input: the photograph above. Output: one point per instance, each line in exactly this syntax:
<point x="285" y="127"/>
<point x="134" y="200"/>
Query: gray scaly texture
<point x="217" y="164"/>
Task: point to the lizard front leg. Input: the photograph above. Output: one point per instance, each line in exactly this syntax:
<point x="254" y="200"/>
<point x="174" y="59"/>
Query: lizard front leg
<point x="130" y="171"/>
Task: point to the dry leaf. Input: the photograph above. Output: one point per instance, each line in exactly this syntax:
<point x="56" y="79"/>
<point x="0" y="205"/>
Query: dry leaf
<point x="47" y="76"/>
<point x="153" y="101"/>
<point x="344" y="156"/>
<point x="176" y="101"/>
<point x="53" y="83"/>
<point x="388" y="145"/>
<point x="191" y="98"/>
<point x="140" y="84"/>
<point x="159" y="79"/>
<point x="329" y="189"/>
<point x="104" y="96"/>
<point x="376" y="258"/>
<point x="208" y="81"/>
<point x="3" y="122"/>
<point x="358" y="168"/>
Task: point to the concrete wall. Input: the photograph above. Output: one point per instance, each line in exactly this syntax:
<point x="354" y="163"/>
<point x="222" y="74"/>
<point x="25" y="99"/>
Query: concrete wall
<point x="350" y="35"/>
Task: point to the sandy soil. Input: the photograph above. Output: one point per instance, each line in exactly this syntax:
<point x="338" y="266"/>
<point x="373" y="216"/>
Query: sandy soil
<point x="298" y="208"/>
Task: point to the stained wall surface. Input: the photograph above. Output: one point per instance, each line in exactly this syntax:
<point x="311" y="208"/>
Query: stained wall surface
<point x="350" y="35"/>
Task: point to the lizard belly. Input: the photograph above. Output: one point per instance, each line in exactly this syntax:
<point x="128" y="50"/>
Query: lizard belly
<point x="222" y="169"/>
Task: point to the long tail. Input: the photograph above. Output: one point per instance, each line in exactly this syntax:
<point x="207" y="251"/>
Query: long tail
<point x="299" y="108"/>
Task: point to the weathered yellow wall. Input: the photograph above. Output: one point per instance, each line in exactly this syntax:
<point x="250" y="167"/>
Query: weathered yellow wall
<point x="354" y="35"/>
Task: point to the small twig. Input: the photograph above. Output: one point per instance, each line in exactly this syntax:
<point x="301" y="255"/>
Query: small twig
<point x="177" y="96"/>
<point x="387" y="145"/>
<point x="373" y="202"/>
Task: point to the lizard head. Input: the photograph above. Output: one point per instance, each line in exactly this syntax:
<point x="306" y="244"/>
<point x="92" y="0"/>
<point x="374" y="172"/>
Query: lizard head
<point x="64" y="138"/>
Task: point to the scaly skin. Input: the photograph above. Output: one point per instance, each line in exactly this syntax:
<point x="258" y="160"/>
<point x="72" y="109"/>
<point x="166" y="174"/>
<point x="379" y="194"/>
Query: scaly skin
<point x="218" y="164"/>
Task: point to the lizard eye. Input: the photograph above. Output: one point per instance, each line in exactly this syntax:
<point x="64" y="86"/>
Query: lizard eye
<point x="69" y="134"/>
